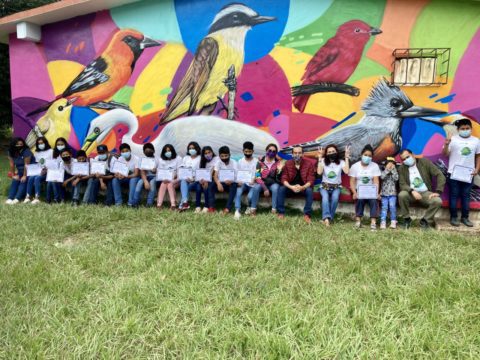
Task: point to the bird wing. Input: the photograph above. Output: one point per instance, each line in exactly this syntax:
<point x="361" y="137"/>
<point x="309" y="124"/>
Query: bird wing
<point x="91" y="76"/>
<point x="196" y="77"/>
<point x="39" y="130"/>
<point x="323" y="58"/>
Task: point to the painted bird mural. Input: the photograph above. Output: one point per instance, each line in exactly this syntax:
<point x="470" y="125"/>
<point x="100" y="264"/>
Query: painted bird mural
<point x="108" y="73"/>
<point x="385" y="109"/>
<point x="202" y="86"/>
<point x="334" y="62"/>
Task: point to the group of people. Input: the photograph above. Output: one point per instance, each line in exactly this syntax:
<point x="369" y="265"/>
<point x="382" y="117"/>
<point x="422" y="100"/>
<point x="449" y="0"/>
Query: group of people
<point x="416" y="180"/>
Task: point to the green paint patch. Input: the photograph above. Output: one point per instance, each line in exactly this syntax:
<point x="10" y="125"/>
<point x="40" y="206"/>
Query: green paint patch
<point x="123" y="95"/>
<point x="303" y="43"/>
<point x="300" y="62"/>
<point x="147" y="106"/>
<point x="166" y="91"/>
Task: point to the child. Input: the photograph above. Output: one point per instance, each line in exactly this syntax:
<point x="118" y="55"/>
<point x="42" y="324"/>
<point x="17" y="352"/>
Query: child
<point x="129" y="181"/>
<point x="100" y="181"/>
<point x="208" y="160"/>
<point x="43" y="152"/>
<point x="247" y="163"/>
<point x="389" y="178"/>
<point x="169" y="160"/>
<point x="225" y="163"/>
<point x="79" y="182"/>
<point x="192" y="161"/>
<point x="19" y="155"/>
<point x="147" y="178"/>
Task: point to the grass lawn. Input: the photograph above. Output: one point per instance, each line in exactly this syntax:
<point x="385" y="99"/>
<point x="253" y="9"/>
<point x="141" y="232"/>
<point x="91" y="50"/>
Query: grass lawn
<point x="96" y="282"/>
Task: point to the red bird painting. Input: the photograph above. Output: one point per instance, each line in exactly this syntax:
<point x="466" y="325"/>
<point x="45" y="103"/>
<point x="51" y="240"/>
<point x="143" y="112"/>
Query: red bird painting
<point x="335" y="61"/>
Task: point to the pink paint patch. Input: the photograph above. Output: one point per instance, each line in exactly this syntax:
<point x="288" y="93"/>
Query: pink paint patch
<point x="262" y="90"/>
<point x="433" y="147"/>
<point x="102" y="29"/>
<point x="147" y="56"/>
<point x="279" y="128"/>
<point x="73" y="140"/>
<point x="27" y="55"/>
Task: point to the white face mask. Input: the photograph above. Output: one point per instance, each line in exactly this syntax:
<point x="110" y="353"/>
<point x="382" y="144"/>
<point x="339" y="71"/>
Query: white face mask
<point x="41" y="146"/>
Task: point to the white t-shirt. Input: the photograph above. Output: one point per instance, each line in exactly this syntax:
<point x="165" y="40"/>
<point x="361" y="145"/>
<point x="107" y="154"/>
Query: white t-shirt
<point x="67" y="167"/>
<point x="189" y="162"/>
<point x="416" y="180"/>
<point x="132" y="164"/>
<point x="172" y="164"/>
<point x="463" y="151"/>
<point x="220" y="165"/>
<point x="212" y="163"/>
<point x="41" y="156"/>
<point x="251" y="166"/>
<point x="364" y="174"/>
<point x="332" y="173"/>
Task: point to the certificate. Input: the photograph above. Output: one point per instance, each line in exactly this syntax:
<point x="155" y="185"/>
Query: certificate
<point x="119" y="167"/>
<point x="226" y="175"/>
<point x="165" y="174"/>
<point x="55" y="175"/>
<point x="80" y="168"/>
<point x="203" y="174"/>
<point x="52" y="164"/>
<point x="462" y="173"/>
<point x="185" y="173"/>
<point x="98" y="167"/>
<point x="367" y="192"/>
<point x="34" y="170"/>
<point x="147" y="163"/>
<point x="244" y="176"/>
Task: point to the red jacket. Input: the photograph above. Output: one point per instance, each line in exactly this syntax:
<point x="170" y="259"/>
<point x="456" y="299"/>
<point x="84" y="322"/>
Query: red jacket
<point x="307" y="171"/>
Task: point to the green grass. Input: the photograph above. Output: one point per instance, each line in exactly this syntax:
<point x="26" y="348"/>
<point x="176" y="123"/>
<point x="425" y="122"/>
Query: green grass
<point x="96" y="282"/>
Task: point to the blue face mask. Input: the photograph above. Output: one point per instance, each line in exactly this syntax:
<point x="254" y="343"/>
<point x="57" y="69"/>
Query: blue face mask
<point x="192" y="152"/>
<point x="102" y="157"/>
<point x="366" y="159"/>
<point x="297" y="158"/>
<point x="465" y="133"/>
<point x="126" y="155"/>
<point x="41" y="146"/>
<point x="409" y="161"/>
<point x="168" y="154"/>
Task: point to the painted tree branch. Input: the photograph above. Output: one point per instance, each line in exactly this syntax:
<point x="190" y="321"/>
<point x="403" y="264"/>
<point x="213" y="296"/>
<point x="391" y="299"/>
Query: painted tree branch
<point x="231" y="83"/>
<point x="325" y="87"/>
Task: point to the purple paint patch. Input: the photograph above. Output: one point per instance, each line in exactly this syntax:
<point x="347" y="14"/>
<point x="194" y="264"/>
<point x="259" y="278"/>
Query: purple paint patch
<point x="155" y="128"/>
<point x="276" y="113"/>
<point x="260" y="122"/>
<point x="103" y="28"/>
<point x="182" y="69"/>
<point x="247" y="96"/>
<point x="147" y="56"/>
<point x="474" y="114"/>
<point x="446" y="99"/>
<point x="22" y="124"/>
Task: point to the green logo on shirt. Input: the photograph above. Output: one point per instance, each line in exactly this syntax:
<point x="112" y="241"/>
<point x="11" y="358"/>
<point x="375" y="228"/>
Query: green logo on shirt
<point x="466" y="151"/>
<point x="417" y="183"/>
<point x="365" y="179"/>
<point x="331" y="175"/>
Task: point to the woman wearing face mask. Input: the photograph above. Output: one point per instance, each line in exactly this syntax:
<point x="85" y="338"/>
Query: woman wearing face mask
<point x="67" y="161"/>
<point x="169" y="160"/>
<point x="192" y="161"/>
<point x="147" y="178"/>
<point x="462" y="150"/>
<point x="365" y="172"/>
<point x="53" y="188"/>
<point x="208" y="160"/>
<point x="267" y="177"/>
<point x="130" y="181"/>
<point x="60" y="145"/>
<point x="19" y="155"/>
<point x="330" y="167"/>
<point x="43" y="152"/>
<point x="225" y="163"/>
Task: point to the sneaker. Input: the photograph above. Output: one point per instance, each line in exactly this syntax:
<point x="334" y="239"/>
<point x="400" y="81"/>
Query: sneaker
<point x="326" y="222"/>
<point x="237" y="215"/>
<point x="383" y="225"/>
<point x="455" y="222"/>
<point x="75" y="203"/>
<point x="307" y="219"/>
<point x="358" y="224"/>
<point x="211" y="210"/>
<point x="9" y="202"/>
<point x="184" y="206"/>
<point x="248" y="211"/>
<point x="15" y="201"/>
<point x="373" y="227"/>
<point x="35" y="201"/>
<point x="274" y="211"/>
<point x="198" y="210"/>
<point x="27" y="200"/>
<point x="407" y="222"/>
<point x="204" y="210"/>
<point x="253" y="212"/>
<point x="393" y="224"/>
<point x="467" y="222"/>
<point x="424" y="224"/>
<point x="225" y="211"/>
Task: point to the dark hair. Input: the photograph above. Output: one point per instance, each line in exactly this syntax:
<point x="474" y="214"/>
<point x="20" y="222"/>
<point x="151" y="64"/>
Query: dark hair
<point x="81" y="153"/>
<point x="247" y="145"/>
<point x="367" y="147"/>
<point x="326" y="160"/>
<point x="203" y="160"/>
<point x="462" y="122"/>
<point x="272" y="144"/>
<point x="56" y="153"/>
<point x="12" y="149"/>
<point x="66" y="150"/>
<point x="224" y="150"/>
<point x="164" y="150"/>
<point x="195" y="145"/>
<point x="147" y="146"/>
<point x="407" y="150"/>
<point x="45" y="141"/>
<point x="124" y="146"/>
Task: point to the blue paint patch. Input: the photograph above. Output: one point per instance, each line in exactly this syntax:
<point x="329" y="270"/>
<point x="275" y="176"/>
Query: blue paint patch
<point x="146" y="139"/>
<point x="345" y="119"/>
<point x="114" y="150"/>
<point x="260" y="122"/>
<point x="416" y="133"/>
<point x="446" y="99"/>
<point x="80" y="119"/>
<point x="433" y="96"/>
<point x="276" y="113"/>
<point x="155" y="128"/>
<point x="279" y="132"/>
<point x="285" y="156"/>
<point x="119" y="131"/>
<point x="247" y="96"/>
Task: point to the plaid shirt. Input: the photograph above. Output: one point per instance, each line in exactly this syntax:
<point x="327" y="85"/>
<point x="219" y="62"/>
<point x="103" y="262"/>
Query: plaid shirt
<point x="307" y="171"/>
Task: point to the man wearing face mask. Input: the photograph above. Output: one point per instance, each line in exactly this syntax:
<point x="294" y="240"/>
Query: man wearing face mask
<point x="416" y="186"/>
<point x="298" y="177"/>
<point x="225" y="163"/>
<point x="247" y="163"/>
<point x="100" y="181"/>
<point x="130" y="181"/>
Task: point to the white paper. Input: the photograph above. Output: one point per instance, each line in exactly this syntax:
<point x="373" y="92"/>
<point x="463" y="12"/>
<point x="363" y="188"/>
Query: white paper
<point x="55" y="175"/>
<point x="34" y="170"/>
<point x="462" y="173"/>
<point x="226" y="175"/>
<point x="367" y="192"/>
<point x="203" y="174"/>
<point x="80" y="168"/>
<point x="185" y="173"/>
<point x="52" y="164"/>
<point x="147" y="163"/>
<point x="98" y="167"/>
<point x="165" y="174"/>
<point x="244" y="176"/>
<point x="120" y="167"/>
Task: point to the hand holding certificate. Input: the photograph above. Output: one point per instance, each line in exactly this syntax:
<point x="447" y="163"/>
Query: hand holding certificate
<point x="185" y="174"/>
<point x="244" y="176"/>
<point x="34" y="170"/>
<point x="98" y="167"/>
<point x="55" y="175"/>
<point x="119" y="167"/>
<point x="52" y="164"/>
<point x="80" y="168"/>
<point x="165" y="174"/>
<point x="226" y="175"/>
<point x="147" y="163"/>
<point x="367" y="192"/>
<point x="462" y="173"/>
<point x="203" y="174"/>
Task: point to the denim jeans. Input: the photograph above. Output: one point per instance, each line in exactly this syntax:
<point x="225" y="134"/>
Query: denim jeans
<point x="273" y="188"/>
<point x="53" y="188"/>
<point x="185" y="188"/>
<point x="93" y="188"/>
<point x="250" y="198"/>
<point x="206" y="195"/>
<point x="360" y="207"/>
<point x="329" y="202"/>
<point x="232" y="191"/>
<point x="17" y="189"/>
<point x="283" y="192"/>
<point x="151" y="193"/>
<point x="459" y="190"/>
<point x="389" y="203"/>
<point x="34" y="183"/>
<point x="117" y="189"/>
<point x="79" y="189"/>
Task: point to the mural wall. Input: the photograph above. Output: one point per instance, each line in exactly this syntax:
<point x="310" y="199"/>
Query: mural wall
<point x="284" y="71"/>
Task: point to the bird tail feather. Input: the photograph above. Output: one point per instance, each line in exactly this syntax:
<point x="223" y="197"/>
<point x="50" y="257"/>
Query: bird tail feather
<point x="300" y="102"/>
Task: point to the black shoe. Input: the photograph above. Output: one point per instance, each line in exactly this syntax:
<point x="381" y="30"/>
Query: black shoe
<point x="75" y="203"/>
<point x="424" y="224"/>
<point x="467" y="222"/>
<point x="455" y="222"/>
<point x="407" y="222"/>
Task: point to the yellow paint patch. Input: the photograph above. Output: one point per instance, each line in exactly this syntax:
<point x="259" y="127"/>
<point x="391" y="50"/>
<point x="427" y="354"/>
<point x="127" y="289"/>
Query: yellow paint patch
<point x="330" y="105"/>
<point x="62" y="73"/>
<point x="149" y="94"/>
<point x="293" y="63"/>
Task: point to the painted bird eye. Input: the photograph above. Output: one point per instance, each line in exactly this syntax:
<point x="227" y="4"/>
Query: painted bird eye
<point x="357" y="30"/>
<point x="60" y="108"/>
<point x="96" y="130"/>
<point x="395" y="103"/>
